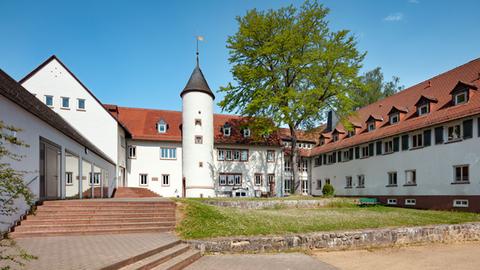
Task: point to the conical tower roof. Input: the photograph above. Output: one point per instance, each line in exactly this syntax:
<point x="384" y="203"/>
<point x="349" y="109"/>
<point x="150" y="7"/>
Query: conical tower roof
<point x="197" y="83"/>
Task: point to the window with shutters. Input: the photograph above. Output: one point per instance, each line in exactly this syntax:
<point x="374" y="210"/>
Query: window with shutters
<point x="348" y="182"/>
<point x="454" y="133"/>
<point x="461" y="174"/>
<point x="392" y="179"/>
<point x="410" y="177"/>
<point x="388" y="147"/>
<point x="417" y="140"/>
<point x="361" y="181"/>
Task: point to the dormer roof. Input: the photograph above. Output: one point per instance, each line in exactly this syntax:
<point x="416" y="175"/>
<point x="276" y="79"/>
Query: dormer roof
<point x="374" y="118"/>
<point x="461" y="85"/>
<point x="396" y="108"/>
<point x="426" y="98"/>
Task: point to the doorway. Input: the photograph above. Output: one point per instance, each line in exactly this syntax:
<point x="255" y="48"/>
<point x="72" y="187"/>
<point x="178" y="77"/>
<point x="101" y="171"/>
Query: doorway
<point x="49" y="171"/>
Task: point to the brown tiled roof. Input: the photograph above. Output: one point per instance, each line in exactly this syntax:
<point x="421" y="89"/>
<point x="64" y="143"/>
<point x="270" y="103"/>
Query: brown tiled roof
<point x="438" y="87"/>
<point x="311" y="135"/>
<point x="13" y="91"/>
<point x="142" y="124"/>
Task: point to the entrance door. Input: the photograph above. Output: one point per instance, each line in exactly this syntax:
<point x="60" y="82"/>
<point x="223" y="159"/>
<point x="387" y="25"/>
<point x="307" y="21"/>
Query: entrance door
<point x="49" y="171"/>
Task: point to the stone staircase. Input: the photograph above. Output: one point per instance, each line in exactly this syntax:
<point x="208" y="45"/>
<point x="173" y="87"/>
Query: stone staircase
<point x="131" y="192"/>
<point x="98" y="216"/>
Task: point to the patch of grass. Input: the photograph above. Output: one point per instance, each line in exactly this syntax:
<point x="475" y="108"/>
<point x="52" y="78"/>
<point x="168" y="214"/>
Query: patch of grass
<point x="206" y="221"/>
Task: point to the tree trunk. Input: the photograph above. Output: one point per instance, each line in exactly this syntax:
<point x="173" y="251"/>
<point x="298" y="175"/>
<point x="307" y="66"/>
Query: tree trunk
<point x="297" y="184"/>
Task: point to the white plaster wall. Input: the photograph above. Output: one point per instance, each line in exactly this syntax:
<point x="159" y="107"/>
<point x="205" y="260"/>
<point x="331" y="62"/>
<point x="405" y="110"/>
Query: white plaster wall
<point x="95" y="123"/>
<point x="433" y="165"/>
<point x="199" y="180"/>
<point x="257" y="163"/>
<point x="148" y="161"/>
<point x="32" y="129"/>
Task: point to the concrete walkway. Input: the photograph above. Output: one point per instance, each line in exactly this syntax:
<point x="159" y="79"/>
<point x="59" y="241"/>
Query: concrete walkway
<point x="280" y="261"/>
<point x="89" y="251"/>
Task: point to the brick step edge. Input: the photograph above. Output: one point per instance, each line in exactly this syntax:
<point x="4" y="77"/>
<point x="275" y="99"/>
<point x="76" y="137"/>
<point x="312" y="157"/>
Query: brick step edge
<point x="181" y="261"/>
<point x="86" y="232"/>
<point x="158" y="258"/>
<point x="95" y="220"/>
<point x="54" y="227"/>
<point x="93" y="216"/>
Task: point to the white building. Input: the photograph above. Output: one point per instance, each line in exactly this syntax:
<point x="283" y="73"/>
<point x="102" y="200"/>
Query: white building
<point x="418" y="148"/>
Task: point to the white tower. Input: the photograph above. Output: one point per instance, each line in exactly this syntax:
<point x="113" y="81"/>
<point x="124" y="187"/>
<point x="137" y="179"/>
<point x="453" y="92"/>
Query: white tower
<point x="197" y="136"/>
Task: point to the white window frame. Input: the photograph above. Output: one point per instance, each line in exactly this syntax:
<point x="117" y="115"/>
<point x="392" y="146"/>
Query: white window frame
<point x="221" y="155"/>
<point x="258" y="179"/>
<point x="451" y="128"/>
<point x="462" y="176"/>
<point x="457" y="95"/>
<point x="167" y="178"/>
<point x="424" y="106"/>
<point x="68" y="103"/>
<point x="365" y="151"/>
<point x="460" y="203"/>
<point x="410" y="201"/>
<point x="46" y="101"/>
<point x="394" y="118"/>
<point x="227" y="131"/>
<point x="140" y="178"/>
<point x="409" y="181"/>
<point x="362" y="178"/>
<point x="346" y="156"/>
<point x="170" y="153"/>
<point x="388" y="147"/>
<point x="270" y="155"/>
<point x="246" y="132"/>
<point x="79" y="100"/>
<point x="392" y="201"/>
<point x="95" y="181"/>
<point x="392" y="178"/>
<point x="415" y="140"/>
<point x="348" y="181"/>
<point x="161" y="127"/>
<point x="287" y="165"/>
<point x="371" y="126"/>
<point x="132" y="151"/>
<point x="69" y="178"/>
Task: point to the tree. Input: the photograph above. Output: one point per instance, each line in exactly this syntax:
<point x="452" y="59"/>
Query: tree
<point x="291" y="68"/>
<point x="375" y="88"/>
<point x="12" y="187"/>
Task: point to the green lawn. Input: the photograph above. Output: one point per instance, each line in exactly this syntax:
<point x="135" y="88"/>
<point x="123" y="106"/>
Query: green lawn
<point x="205" y="221"/>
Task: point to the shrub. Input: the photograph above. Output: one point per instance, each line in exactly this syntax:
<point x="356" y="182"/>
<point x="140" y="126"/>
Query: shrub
<point x="328" y="190"/>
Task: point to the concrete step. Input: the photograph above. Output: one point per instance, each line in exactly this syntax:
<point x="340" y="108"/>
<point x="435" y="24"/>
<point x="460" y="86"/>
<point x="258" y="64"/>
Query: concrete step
<point x="58" y="215"/>
<point x="105" y="203"/>
<point x="181" y="261"/>
<point x="95" y="220"/>
<point x="103" y="212"/>
<point x="106" y="226"/>
<point x="159" y="258"/>
<point x="88" y="232"/>
<point x="102" y="207"/>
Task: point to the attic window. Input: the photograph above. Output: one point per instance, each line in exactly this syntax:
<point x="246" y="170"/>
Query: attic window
<point x="161" y="126"/>
<point x="227" y="130"/>
<point x="371" y="126"/>
<point x="335" y="137"/>
<point x="423" y="109"/>
<point x="351" y="133"/>
<point x="394" y="118"/>
<point x="460" y="98"/>
<point x="322" y="141"/>
<point x="246" y="132"/>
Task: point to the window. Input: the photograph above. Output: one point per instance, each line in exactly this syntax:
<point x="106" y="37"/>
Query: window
<point x="327" y="181"/>
<point x="461" y="173"/>
<point x="228" y="154"/>
<point x="168" y="153"/>
<point x="319" y="184"/>
<point x="318" y="161"/>
<point x="271" y="178"/>
<point x="454" y="133"/>
<point x="392" y="201"/>
<point x="410" y="201"/>
<point x="198" y="122"/>
<point x="335" y="137"/>
<point x="69" y="178"/>
<point x="161" y="126"/>
<point x="388" y="147"/>
<point x="246" y="132"/>
<point x="227" y="130"/>
<point x="221" y="154"/>
<point x="423" y="109"/>
<point x="65" y="103"/>
<point x="288" y="166"/>
<point x="351" y="133"/>
<point x="81" y="104"/>
<point x="346" y="155"/>
<point x="258" y="179"/>
<point x="94" y="178"/>
<point x="143" y="179"/>
<point x="460" y="98"/>
<point x="288" y="186"/>
<point x="230" y="179"/>
<point x="392" y="178"/>
<point x="244" y="155"/>
<point x="303" y="165"/>
<point x="165" y="180"/>
<point x="394" y="118"/>
<point x="200" y="164"/>
<point x="330" y="158"/>
<point x="361" y="181"/>
<point x="322" y="141"/>
<point x="365" y="152"/>
<point x="49" y="101"/>
<point x="460" y="203"/>
<point x="348" y="182"/>
<point x="410" y="177"/>
<point x="270" y="155"/>
<point x="371" y="126"/>
<point x="417" y="140"/>
<point x="236" y="155"/>
<point x="198" y="139"/>
<point x="132" y="151"/>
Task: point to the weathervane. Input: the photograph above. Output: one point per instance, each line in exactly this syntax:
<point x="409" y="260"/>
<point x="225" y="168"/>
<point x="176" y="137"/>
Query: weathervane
<point x="198" y="38"/>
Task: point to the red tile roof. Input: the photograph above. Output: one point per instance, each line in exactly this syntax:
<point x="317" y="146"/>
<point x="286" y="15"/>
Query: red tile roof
<point x="438" y="87"/>
<point x="142" y="124"/>
<point x="311" y="135"/>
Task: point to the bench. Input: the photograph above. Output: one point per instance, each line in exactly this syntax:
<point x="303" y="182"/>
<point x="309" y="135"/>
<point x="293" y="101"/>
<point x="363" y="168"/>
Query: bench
<point x="367" y="201"/>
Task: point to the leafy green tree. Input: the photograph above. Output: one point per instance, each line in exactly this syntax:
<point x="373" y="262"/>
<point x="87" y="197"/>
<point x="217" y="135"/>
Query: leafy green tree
<point x="12" y="187"/>
<point x="374" y="88"/>
<point x="289" y="67"/>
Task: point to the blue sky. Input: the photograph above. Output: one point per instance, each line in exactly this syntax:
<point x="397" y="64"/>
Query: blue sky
<point x="141" y="53"/>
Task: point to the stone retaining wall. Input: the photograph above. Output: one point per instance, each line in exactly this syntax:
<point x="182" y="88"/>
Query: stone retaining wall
<point x="342" y="239"/>
<point x="262" y="204"/>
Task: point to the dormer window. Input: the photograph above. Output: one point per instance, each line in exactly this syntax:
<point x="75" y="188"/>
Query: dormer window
<point x="227" y="130"/>
<point x="394" y="118"/>
<point x="460" y="93"/>
<point x="424" y="104"/>
<point x="460" y="98"/>
<point x="246" y="132"/>
<point x="371" y="126"/>
<point x="322" y="141"/>
<point x="372" y="121"/>
<point x="351" y="133"/>
<point x="423" y="109"/>
<point x="335" y="137"/>
<point x="161" y="126"/>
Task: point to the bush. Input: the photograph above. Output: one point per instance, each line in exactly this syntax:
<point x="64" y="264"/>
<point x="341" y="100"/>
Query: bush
<point x="328" y="190"/>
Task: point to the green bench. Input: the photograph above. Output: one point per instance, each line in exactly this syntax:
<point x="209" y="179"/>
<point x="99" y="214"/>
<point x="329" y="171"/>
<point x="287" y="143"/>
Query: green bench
<point x="367" y="201"/>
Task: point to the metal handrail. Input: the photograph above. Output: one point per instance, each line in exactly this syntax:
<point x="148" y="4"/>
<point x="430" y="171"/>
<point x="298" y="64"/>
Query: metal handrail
<point x="28" y="184"/>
